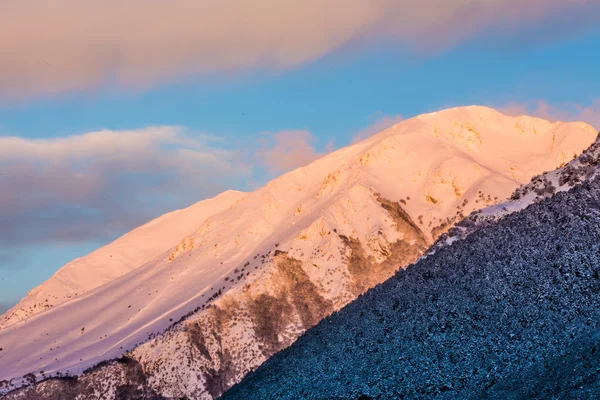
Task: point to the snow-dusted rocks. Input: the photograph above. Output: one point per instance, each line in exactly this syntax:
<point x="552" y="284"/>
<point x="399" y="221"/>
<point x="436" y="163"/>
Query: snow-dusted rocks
<point x="255" y="276"/>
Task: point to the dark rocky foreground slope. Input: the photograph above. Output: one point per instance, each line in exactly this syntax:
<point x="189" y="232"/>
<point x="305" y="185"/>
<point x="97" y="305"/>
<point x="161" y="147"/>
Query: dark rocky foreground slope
<point x="510" y="312"/>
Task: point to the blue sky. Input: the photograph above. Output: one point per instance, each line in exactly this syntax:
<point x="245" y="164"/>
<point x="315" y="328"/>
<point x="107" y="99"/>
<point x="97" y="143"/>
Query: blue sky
<point x="64" y="198"/>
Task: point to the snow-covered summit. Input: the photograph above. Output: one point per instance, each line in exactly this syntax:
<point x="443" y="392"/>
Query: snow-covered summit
<point x="273" y="262"/>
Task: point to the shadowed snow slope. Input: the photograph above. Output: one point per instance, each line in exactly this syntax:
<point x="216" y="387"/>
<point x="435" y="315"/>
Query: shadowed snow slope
<point x="510" y="312"/>
<point x="252" y="278"/>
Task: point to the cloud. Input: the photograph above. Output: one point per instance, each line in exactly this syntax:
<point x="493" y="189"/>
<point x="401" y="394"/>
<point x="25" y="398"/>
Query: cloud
<point x="74" y="45"/>
<point x="101" y="184"/>
<point x="382" y="122"/>
<point x="562" y="112"/>
<point x="287" y="150"/>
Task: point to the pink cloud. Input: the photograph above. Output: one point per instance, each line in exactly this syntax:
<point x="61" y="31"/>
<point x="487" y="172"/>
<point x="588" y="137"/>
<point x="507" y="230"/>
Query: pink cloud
<point x="74" y="45"/>
<point x="287" y="150"/>
<point x="589" y="114"/>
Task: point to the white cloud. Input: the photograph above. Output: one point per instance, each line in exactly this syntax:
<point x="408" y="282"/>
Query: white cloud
<point x="49" y="47"/>
<point x="99" y="184"/>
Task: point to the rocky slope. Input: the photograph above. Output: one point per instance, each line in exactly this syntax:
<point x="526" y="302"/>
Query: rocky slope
<point x="511" y="311"/>
<point x="253" y="278"/>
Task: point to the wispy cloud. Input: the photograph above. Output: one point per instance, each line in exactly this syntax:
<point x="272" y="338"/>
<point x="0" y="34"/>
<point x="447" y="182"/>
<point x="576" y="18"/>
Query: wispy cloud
<point x="286" y="150"/>
<point x="73" y="45"/>
<point x="98" y="184"/>
<point x="589" y="113"/>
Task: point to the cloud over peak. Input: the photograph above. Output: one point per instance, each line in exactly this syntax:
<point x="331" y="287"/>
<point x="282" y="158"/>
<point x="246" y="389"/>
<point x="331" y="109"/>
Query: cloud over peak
<point x="287" y="150"/>
<point x="74" y="45"/>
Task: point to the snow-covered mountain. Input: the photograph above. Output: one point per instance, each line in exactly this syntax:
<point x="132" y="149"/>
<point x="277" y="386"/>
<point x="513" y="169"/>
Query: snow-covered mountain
<point x="255" y="276"/>
<point x="511" y="311"/>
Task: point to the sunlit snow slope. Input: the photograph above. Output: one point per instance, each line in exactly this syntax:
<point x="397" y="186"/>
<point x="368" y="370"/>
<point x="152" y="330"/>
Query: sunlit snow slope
<point x="583" y="168"/>
<point x="283" y="257"/>
<point x="117" y="258"/>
